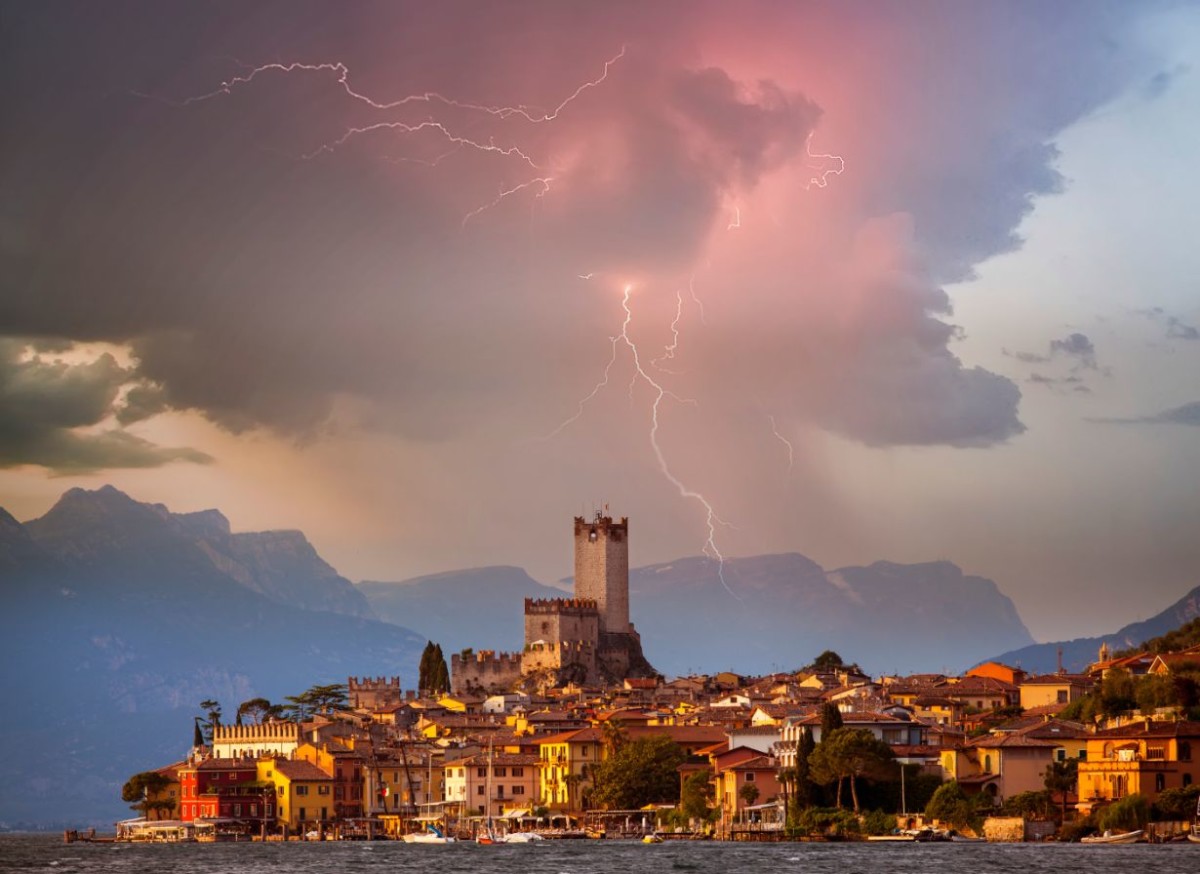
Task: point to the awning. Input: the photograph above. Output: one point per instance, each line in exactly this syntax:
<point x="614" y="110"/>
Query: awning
<point x="520" y="813"/>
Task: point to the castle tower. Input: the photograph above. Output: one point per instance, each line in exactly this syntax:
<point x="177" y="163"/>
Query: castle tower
<point x="602" y="569"/>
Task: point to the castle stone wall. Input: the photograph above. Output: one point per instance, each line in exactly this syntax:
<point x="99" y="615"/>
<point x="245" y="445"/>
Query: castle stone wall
<point x="374" y="693"/>
<point x="484" y="671"/>
<point x="602" y="568"/>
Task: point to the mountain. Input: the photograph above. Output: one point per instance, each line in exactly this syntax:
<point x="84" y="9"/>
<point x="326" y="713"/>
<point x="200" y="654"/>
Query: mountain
<point x="761" y="612"/>
<point x="282" y="565"/>
<point x="481" y="608"/>
<point x="1077" y="654"/>
<point x="771" y="611"/>
<point x="120" y="617"/>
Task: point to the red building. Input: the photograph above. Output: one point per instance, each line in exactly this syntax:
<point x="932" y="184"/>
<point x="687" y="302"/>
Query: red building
<point x="224" y="789"/>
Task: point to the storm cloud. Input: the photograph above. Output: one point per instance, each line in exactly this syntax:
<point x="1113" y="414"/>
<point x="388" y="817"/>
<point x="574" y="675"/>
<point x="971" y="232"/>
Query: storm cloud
<point x="424" y="273"/>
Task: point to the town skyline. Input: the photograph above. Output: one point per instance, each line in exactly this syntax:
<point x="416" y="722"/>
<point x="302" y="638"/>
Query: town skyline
<point x="863" y="284"/>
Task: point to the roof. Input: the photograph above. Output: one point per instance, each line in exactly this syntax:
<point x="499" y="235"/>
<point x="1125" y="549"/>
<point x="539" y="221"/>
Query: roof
<point x="1145" y="728"/>
<point x="298" y="769"/>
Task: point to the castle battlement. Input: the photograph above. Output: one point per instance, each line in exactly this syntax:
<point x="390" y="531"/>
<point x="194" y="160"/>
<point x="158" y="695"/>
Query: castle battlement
<point x="267" y="731"/>
<point x="372" y="684"/>
<point x="373" y="693"/>
<point x="561" y="606"/>
<point x="486" y="657"/>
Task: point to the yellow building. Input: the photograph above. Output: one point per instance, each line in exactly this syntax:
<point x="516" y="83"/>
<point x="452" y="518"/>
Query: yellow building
<point x="566" y="760"/>
<point x="1144" y="757"/>
<point x="1056" y="689"/>
<point x="303" y="792"/>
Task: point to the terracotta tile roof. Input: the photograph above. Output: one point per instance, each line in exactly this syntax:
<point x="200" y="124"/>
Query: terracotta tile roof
<point x="297" y="769"/>
<point x="1154" y="729"/>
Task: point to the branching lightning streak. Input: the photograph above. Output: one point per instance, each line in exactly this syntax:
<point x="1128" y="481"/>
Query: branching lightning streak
<point x="343" y="79"/>
<point x="669" y="349"/>
<point x="342" y="74"/>
<point x="712" y="520"/>
<point x="837" y="165"/>
<point x="791" y="453"/>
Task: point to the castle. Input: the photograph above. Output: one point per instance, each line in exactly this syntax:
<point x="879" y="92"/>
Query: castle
<point x="584" y="639"/>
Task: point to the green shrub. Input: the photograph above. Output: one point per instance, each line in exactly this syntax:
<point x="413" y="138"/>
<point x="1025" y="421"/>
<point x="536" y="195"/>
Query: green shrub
<point x="876" y="822"/>
<point x="1131" y="812"/>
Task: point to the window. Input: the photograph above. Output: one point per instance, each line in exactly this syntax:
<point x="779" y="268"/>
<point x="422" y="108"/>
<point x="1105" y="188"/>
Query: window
<point x="237" y="810"/>
<point x="749" y="776"/>
<point x="518" y="772"/>
<point x="1156" y="753"/>
<point x="1061" y="754"/>
<point x="301" y="814"/>
<point x="518" y="790"/>
<point x="502" y="772"/>
<point x="1185" y="751"/>
<point x="322" y="790"/>
<point x="1062" y="696"/>
<point x="339" y="792"/>
<point x="987" y="764"/>
<point x="1160" y="782"/>
<point x="301" y="790"/>
<point x="583" y="753"/>
<point x="478" y="790"/>
<point x="1083" y="754"/>
<point x="481" y="772"/>
<point x="1187" y="779"/>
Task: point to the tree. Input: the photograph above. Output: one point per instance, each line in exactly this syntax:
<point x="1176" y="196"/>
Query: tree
<point x="257" y="710"/>
<point x="139" y="788"/>
<point x="212" y="714"/>
<point x="1062" y="777"/>
<point x="614" y="734"/>
<point x="433" y="677"/>
<point x="851" y="753"/>
<point x="748" y="793"/>
<point x="697" y="795"/>
<point x="828" y="661"/>
<point x="831" y="719"/>
<point x="803" y="791"/>
<point x="424" y="668"/>
<point x="640" y="772"/>
<point x="1131" y="812"/>
<point x="950" y="805"/>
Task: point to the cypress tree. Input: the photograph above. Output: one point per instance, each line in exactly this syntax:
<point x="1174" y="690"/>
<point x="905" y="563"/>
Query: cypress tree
<point x="426" y="666"/>
<point x="831" y="719"/>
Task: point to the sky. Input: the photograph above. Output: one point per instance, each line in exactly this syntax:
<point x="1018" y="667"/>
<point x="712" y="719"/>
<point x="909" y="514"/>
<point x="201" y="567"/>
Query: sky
<point x="902" y="281"/>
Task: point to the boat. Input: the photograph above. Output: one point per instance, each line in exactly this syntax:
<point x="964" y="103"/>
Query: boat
<point x="652" y="839"/>
<point x="1110" y="837"/>
<point x="433" y="835"/>
<point x="522" y="838"/>
<point x="901" y="837"/>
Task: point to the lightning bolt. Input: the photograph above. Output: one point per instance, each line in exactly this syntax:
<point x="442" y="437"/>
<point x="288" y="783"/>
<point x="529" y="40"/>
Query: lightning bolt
<point x="341" y="73"/>
<point x="660" y="392"/>
<point x="831" y="165"/>
<point x="784" y="441"/>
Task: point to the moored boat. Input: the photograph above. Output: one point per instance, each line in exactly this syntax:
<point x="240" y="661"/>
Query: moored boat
<point x="1110" y="837"/>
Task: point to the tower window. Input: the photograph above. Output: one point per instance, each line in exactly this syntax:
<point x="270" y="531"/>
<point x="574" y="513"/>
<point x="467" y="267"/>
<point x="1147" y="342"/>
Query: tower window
<point x="592" y="535"/>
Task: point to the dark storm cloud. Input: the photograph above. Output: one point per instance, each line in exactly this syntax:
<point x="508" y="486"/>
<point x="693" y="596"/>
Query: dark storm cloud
<point x="50" y="411"/>
<point x="259" y="289"/>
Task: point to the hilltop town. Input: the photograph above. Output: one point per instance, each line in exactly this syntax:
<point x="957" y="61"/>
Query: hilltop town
<point x="576" y="734"/>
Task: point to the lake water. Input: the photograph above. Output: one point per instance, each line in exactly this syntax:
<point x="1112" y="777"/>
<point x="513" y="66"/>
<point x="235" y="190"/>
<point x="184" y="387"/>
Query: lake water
<point x="49" y="854"/>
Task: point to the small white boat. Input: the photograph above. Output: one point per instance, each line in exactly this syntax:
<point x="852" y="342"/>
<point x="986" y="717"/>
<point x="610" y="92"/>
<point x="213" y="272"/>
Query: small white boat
<point x="432" y="836"/>
<point x="522" y="838"/>
<point x="1109" y="837"/>
<point x="896" y="836"/>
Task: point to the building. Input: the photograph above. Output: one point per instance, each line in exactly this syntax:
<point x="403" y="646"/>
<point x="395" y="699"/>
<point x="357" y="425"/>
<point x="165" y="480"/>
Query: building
<point x="303" y="792"/>
<point x="254" y="741"/>
<point x="586" y="639"/>
<point x="1143" y="757"/>
<point x="223" y="789"/>
<point x="493" y="784"/>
